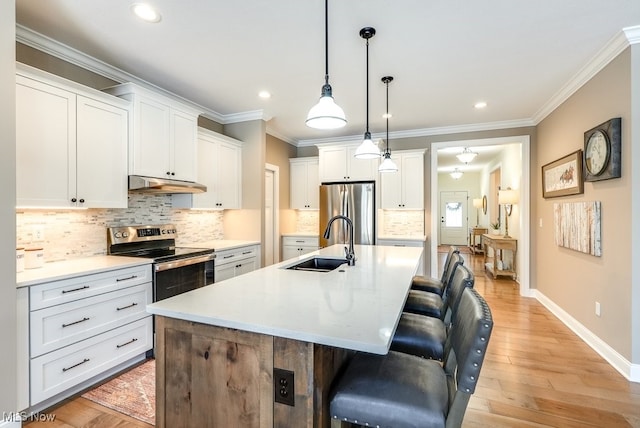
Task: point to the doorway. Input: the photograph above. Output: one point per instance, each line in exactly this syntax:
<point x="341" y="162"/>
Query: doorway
<point x="524" y="142"/>
<point x="454" y="221"/>
<point x="271" y="215"/>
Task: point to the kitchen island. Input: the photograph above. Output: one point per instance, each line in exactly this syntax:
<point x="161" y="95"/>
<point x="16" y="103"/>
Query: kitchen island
<point x="217" y="347"/>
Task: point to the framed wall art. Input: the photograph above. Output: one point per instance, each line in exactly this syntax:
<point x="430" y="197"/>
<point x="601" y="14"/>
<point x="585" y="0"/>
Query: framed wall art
<point x="602" y="151"/>
<point x="577" y="226"/>
<point x="563" y="177"/>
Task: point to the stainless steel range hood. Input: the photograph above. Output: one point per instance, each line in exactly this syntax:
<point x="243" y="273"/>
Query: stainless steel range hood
<point x="139" y="183"/>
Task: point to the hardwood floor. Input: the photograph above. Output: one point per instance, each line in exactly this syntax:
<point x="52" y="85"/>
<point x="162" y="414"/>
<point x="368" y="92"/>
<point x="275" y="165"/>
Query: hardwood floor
<point x="537" y="373"/>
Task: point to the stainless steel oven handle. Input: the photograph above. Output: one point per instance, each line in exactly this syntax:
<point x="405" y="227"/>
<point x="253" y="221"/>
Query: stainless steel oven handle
<point x="183" y="262"/>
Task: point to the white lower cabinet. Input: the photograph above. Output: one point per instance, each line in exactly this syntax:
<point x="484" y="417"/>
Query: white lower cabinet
<point x="82" y="327"/>
<point x="295" y="246"/>
<point x="237" y="261"/>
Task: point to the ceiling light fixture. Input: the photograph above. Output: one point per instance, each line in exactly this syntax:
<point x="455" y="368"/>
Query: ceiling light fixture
<point x="264" y="94"/>
<point x="326" y="114"/>
<point x="456" y="174"/>
<point x="367" y="149"/>
<point x="480" y="105"/>
<point x="387" y="165"/>
<point x="466" y="156"/>
<point x="146" y="12"/>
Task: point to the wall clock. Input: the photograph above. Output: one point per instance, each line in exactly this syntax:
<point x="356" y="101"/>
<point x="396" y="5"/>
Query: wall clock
<point x="602" y="151"/>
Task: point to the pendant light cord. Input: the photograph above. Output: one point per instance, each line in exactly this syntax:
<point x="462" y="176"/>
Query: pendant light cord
<point x="367" y="86"/>
<point x="326" y="42"/>
<point x="387" y="83"/>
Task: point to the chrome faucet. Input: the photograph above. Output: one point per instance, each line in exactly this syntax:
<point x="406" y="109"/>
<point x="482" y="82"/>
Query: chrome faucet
<point x="350" y="255"/>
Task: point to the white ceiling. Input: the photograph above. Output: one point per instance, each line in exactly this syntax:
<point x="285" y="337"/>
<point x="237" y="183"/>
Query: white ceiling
<point x="445" y="55"/>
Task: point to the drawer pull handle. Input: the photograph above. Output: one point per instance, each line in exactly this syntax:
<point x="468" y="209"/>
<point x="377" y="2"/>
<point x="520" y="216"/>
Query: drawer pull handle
<point x="127" y="307"/>
<point x="247" y="252"/>
<point x="229" y="256"/>
<point x="300" y="241"/>
<point x="127" y="343"/>
<point x="75" y="289"/>
<point x="76" y="322"/>
<point x="127" y="278"/>
<point x="86" y="360"/>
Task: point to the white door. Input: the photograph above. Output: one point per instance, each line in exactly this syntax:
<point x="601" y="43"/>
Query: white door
<point x="453" y="218"/>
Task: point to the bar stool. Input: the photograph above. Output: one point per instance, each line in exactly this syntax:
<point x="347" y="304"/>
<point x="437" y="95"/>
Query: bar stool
<point x="425" y="336"/>
<point x="405" y="391"/>
<point x="435" y="285"/>
<point x="432" y="304"/>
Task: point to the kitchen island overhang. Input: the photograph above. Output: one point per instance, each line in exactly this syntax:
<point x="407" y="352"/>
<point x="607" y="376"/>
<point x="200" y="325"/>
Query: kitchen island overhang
<point x="221" y="343"/>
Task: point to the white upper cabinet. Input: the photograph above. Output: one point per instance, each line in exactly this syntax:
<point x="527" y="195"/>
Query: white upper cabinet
<point x="404" y="189"/>
<point x="164" y="134"/>
<point x="220" y="169"/>
<point x="71" y="144"/>
<point x="337" y="163"/>
<point x="305" y="183"/>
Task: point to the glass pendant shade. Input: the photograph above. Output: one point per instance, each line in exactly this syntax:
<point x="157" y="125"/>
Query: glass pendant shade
<point x="456" y="174"/>
<point x="367" y="149"/>
<point x="326" y="114"/>
<point x="466" y="156"/>
<point x="387" y="165"/>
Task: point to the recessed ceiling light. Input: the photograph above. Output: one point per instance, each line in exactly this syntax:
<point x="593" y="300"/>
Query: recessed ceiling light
<point x="480" y="105"/>
<point x="146" y="12"/>
<point x="387" y="115"/>
<point x="264" y="94"/>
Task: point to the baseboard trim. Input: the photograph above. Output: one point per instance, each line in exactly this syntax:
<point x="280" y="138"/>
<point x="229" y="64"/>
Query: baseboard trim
<point x="630" y="371"/>
<point x="5" y="424"/>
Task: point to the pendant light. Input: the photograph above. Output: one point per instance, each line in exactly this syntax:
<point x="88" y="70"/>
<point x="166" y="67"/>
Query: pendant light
<point x="387" y="165"/>
<point x="466" y="156"/>
<point x="456" y="174"/>
<point x="367" y="149"/>
<point x="326" y="114"/>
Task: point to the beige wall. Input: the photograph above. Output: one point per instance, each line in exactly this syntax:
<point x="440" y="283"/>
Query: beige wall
<point x="248" y="223"/>
<point x="7" y="209"/>
<point x="573" y="280"/>
<point x="278" y="153"/>
<point x="633" y="153"/>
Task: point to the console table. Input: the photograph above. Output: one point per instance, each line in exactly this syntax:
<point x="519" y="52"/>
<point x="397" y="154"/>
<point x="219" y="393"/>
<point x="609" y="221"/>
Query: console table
<point x="476" y="247"/>
<point x="496" y="264"/>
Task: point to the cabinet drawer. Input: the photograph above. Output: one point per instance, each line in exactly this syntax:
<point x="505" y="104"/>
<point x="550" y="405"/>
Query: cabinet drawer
<point x="232" y="256"/>
<point x="68" y="290"/>
<point x="58" y="371"/>
<point x="400" y="243"/>
<point x="301" y="241"/>
<point x="62" y="325"/>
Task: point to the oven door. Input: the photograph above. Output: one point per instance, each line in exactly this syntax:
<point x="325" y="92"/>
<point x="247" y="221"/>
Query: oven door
<point x="179" y="276"/>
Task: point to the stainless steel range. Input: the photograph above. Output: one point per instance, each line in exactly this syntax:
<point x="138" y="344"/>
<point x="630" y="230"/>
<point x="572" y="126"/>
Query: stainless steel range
<point x="175" y="269"/>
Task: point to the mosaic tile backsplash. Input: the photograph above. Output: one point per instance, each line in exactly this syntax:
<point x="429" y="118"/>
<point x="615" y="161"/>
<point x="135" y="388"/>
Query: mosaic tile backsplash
<point x="72" y="234"/>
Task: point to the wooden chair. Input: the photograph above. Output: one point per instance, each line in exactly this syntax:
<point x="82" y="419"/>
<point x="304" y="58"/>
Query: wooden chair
<point x="403" y="391"/>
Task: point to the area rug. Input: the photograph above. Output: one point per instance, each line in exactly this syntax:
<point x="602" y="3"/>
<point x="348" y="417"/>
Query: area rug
<point x="132" y="393"/>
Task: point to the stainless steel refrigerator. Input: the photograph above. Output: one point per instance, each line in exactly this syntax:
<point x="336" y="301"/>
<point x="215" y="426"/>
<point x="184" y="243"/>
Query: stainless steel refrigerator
<point x="354" y="200"/>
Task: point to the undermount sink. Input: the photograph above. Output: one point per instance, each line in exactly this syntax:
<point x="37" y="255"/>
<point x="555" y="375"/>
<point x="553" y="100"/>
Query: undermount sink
<point x="318" y="264"/>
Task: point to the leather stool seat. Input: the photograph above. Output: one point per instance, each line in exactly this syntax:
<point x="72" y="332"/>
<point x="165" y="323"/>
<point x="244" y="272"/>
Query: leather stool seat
<point x="424" y="303"/>
<point x="429" y="284"/>
<point x="393" y="390"/>
<point x="420" y="336"/>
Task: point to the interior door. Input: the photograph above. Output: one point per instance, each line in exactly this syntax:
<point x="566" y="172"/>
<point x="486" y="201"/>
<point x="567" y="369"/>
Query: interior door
<point x="454" y="222"/>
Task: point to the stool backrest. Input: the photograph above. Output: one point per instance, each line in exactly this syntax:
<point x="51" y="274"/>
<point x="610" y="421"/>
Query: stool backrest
<point x="453" y="287"/>
<point x="445" y="271"/>
<point x="465" y="350"/>
<point x="455" y="260"/>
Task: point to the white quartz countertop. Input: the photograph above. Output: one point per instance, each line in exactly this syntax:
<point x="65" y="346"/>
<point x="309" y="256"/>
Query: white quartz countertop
<point x="304" y="234"/>
<point x="55" y="271"/>
<point x="352" y="307"/>
<point x="224" y="244"/>
<point x="403" y="237"/>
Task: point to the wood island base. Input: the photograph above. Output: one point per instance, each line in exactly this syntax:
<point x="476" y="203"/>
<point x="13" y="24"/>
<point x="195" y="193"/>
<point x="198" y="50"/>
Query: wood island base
<point x="210" y="376"/>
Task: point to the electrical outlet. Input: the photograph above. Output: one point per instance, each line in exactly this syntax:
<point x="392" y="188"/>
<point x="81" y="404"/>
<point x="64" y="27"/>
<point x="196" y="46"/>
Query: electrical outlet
<point x="37" y="233"/>
<point x="598" y="308"/>
<point x="283" y="387"/>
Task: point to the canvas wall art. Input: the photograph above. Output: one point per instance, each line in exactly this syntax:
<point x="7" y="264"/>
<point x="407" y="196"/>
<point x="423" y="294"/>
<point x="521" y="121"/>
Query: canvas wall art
<point x="577" y="226"/>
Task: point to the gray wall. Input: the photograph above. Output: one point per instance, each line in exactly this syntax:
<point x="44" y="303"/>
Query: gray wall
<point x="7" y="208"/>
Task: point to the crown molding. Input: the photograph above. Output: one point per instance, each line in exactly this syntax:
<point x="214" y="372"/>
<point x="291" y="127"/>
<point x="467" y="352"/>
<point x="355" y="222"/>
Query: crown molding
<point x="245" y="116"/>
<point x="279" y="136"/>
<point x="425" y="132"/>
<point x="622" y="40"/>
